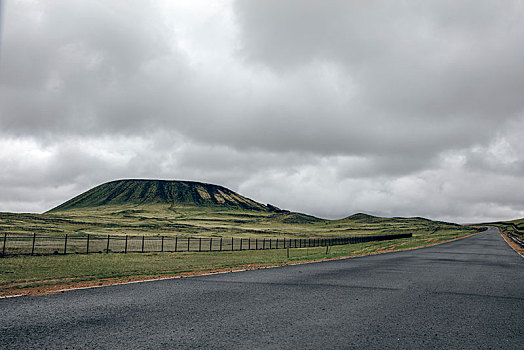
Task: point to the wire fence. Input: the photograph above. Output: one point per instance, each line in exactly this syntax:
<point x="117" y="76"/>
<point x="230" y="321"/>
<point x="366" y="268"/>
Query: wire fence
<point x="40" y="244"/>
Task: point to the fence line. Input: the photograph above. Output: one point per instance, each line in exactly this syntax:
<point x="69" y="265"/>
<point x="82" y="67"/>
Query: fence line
<point x="27" y="244"/>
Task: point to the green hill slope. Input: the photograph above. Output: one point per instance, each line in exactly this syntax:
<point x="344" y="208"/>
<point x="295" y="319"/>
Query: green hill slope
<point x="154" y="192"/>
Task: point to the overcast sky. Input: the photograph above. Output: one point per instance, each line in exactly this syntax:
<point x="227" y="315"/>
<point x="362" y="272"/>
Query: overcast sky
<point x="412" y="108"/>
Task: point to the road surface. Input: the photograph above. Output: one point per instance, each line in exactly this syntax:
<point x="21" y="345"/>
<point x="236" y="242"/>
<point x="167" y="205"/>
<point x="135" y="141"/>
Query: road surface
<point x="467" y="294"/>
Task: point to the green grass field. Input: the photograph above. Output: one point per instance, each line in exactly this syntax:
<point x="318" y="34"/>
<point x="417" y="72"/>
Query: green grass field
<point x="186" y="221"/>
<point x="187" y="209"/>
<point x="19" y="273"/>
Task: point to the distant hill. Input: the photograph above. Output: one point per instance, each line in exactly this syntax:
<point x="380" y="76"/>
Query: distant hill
<point x="516" y="223"/>
<point x="287" y="217"/>
<point x="362" y="218"/>
<point x="149" y="192"/>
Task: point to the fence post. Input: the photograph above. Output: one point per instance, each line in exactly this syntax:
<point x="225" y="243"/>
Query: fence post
<point x="240" y="243"/>
<point x="162" y="246"/>
<point x="33" y="247"/>
<point x="176" y="243"/>
<point x="220" y="243"/>
<point x="210" y="243"/>
<point x="87" y="247"/>
<point x="107" y="247"/>
<point x="125" y="247"/>
<point x="249" y="243"/>
<point x="256" y="243"/>
<point x="232" y="242"/>
<point x="200" y="244"/>
<point x="143" y="239"/>
<point x="284" y="243"/>
<point x="263" y="244"/>
<point x="65" y="244"/>
<point x="188" y="243"/>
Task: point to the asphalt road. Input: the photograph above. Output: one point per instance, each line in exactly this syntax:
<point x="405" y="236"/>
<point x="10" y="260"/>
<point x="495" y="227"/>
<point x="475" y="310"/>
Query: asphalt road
<point x="467" y="294"/>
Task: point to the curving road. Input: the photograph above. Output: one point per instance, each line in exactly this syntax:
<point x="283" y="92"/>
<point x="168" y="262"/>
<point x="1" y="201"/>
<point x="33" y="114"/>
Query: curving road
<point x="467" y="294"/>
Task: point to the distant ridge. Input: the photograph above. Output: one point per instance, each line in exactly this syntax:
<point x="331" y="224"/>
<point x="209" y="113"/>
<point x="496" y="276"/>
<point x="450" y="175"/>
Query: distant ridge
<point x="363" y="217"/>
<point x="148" y="192"/>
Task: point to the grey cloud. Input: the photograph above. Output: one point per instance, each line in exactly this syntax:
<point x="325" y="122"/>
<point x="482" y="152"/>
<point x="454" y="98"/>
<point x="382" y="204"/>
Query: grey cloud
<point x="433" y="58"/>
<point x="82" y="67"/>
<point x="328" y="107"/>
<point x="102" y="69"/>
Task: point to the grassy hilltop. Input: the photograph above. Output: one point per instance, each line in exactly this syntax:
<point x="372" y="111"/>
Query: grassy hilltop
<point x="162" y="192"/>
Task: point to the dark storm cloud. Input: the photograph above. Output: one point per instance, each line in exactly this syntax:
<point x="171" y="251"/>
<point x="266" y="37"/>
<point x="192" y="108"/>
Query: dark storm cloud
<point x="329" y="107"/>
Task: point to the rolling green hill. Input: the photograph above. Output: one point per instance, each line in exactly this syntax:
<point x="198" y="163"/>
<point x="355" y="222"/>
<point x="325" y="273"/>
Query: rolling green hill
<point x="153" y="192"/>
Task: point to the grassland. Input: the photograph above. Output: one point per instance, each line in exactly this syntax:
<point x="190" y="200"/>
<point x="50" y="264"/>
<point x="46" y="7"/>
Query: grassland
<point x="184" y="209"/>
<point x="39" y="274"/>
<point x="156" y="220"/>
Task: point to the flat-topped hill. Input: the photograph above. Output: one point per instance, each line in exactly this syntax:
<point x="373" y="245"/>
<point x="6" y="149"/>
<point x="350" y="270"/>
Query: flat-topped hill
<point x="149" y="192"/>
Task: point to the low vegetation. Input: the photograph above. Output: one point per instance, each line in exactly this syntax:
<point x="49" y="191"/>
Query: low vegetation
<point x="187" y="221"/>
<point x="40" y="274"/>
<point x="188" y="209"/>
